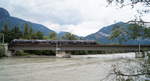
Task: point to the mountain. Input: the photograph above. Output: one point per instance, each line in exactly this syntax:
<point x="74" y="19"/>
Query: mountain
<point x="102" y="36"/>
<point x="5" y="18"/>
<point x="4" y="13"/>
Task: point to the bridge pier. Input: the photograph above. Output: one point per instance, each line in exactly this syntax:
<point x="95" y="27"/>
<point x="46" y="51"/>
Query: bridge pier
<point x="13" y="52"/>
<point x="140" y="54"/>
<point x="62" y="54"/>
<point x="6" y="51"/>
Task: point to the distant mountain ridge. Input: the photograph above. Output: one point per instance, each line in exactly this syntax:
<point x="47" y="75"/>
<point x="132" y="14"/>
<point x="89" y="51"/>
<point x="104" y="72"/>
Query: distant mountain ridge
<point x="4" y="13"/>
<point x="102" y="36"/>
<point x="5" y="18"/>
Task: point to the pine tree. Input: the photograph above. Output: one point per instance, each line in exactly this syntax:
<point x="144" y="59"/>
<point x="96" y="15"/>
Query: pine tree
<point x="26" y="31"/>
<point x="53" y="36"/>
<point x="6" y="33"/>
<point x="69" y="36"/>
<point x="38" y="35"/>
<point x="5" y="28"/>
<point x="16" y="33"/>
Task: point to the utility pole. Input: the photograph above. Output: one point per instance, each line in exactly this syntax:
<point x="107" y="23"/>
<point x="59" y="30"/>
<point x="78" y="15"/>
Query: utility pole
<point x="139" y="44"/>
<point x="57" y="48"/>
<point x="139" y="47"/>
<point x="3" y="38"/>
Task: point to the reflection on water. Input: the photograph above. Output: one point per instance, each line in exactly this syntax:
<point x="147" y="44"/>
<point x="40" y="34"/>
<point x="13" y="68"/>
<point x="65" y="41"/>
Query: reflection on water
<point x="78" y="68"/>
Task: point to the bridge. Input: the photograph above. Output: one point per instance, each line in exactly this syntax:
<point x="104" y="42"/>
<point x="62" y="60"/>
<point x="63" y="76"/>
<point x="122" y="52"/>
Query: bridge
<point x="60" y="46"/>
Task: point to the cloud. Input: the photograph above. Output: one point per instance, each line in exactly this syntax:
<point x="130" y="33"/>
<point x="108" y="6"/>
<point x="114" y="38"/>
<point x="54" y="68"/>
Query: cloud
<point x="81" y="29"/>
<point x="42" y="11"/>
<point x="81" y="17"/>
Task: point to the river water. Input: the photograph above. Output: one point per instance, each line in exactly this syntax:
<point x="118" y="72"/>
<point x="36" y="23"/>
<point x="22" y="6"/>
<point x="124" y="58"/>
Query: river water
<point x="77" y="68"/>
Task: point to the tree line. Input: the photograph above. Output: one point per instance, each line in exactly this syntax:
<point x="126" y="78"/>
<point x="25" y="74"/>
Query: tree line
<point x="17" y="33"/>
<point x="28" y="33"/>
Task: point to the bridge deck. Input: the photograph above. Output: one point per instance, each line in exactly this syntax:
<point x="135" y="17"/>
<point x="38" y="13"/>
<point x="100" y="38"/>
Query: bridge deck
<point x="80" y="47"/>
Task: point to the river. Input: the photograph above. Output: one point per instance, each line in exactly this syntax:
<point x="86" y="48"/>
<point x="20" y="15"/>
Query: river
<point x="77" y="68"/>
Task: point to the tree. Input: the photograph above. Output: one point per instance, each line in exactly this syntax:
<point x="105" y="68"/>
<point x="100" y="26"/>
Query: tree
<point x="5" y="28"/>
<point x="69" y="36"/>
<point x="31" y="31"/>
<point x="38" y="35"/>
<point x="2" y="51"/>
<point x="6" y="33"/>
<point x="140" y="11"/>
<point x="26" y="31"/>
<point x="135" y="31"/>
<point x="118" y="33"/>
<point x="147" y="32"/>
<point x="10" y="34"/>
<point x="16" y="33"/>
<point x="53" y="36"/>
<point x="129" y="2"/>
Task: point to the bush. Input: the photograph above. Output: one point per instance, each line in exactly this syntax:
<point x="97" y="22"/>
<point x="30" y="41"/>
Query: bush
<point x="21" y="53"/>
<point x="41" y="52"/>
<point x="2" y="51"/>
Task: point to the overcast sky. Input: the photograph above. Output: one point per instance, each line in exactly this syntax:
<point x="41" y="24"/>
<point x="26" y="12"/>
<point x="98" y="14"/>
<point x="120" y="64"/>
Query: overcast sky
<point x="80" y="17"/>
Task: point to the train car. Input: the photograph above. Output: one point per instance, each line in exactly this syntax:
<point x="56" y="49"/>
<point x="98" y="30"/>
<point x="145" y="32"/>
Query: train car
<point x="52" y="42"/>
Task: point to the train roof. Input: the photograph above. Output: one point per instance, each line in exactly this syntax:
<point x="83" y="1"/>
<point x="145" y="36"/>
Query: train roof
<point x="40" y="41"/>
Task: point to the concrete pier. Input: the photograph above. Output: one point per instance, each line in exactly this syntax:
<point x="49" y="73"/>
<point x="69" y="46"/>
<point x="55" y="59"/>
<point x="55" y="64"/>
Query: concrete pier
<point x="6" y="51"/>
<point x="62" y="54"/>
<point x="140" y="54"/>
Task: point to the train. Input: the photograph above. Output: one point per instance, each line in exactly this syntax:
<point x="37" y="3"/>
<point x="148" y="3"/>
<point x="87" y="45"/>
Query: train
<point x="52" y="42"/>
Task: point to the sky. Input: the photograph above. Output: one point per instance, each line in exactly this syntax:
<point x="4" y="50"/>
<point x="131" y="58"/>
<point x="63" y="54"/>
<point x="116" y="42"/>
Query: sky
<point x="80" y="17"/>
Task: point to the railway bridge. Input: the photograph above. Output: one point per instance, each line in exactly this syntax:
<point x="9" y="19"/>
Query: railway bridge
<point x="61" y="46"/>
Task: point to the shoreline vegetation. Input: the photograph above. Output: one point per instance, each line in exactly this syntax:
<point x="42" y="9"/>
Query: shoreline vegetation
<point x="2" y="51"/>
<point x="52" y="53"/>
